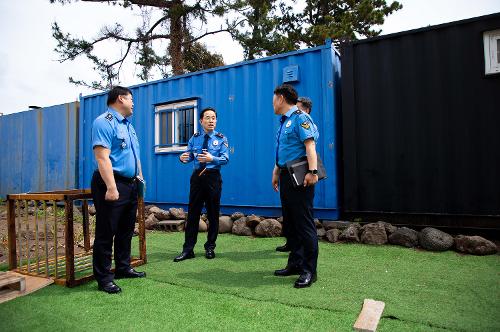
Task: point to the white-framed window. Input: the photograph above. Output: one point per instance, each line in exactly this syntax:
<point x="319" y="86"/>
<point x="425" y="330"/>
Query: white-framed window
<point x="175" y="123"/>
<point x="491" y="41"/>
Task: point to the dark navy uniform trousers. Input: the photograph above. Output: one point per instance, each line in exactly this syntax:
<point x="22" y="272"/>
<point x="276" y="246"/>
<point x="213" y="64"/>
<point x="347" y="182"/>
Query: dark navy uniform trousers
<point x="297" y="208"/>
<point x="205" y="190"/>
<point x="115" y="220"/>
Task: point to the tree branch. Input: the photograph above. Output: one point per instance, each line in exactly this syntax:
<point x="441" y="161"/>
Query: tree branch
<point x="122" y="59"/>
<point x="137" y="40"/>
<point x="228" y="29"/>
<point x="204" y="35"/>
<point x="166" y="17"/>
<point x="151" y="3"/>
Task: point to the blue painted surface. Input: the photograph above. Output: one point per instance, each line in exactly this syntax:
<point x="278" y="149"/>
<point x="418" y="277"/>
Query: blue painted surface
<point x="38" y="150"/>
<point x="291" y="74"/>
<point x="242" y="94"/>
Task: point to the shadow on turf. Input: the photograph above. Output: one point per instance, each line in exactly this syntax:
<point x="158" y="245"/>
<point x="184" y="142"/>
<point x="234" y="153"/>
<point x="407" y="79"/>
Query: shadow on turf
<point x="236" y="256"/>
<point x="245" y="279"/>
<point x="219" y="276"/>
<point x="239" y="256"/>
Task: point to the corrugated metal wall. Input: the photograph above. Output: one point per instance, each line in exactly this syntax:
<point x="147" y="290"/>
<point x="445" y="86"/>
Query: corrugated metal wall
<point x="242" y="94"/>
<point x="420" y="123"/>
<point x="39" y="149"/>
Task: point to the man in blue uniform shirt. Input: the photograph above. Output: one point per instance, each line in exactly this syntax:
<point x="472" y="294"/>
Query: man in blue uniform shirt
<point x="114" y="189"/>
<point x="305" y="105"/>
<point x="296" y="138"/>
<point x="209" y="151"/>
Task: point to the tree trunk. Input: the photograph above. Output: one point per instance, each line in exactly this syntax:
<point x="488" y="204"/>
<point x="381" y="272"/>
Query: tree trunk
<point x="175" y="47"/>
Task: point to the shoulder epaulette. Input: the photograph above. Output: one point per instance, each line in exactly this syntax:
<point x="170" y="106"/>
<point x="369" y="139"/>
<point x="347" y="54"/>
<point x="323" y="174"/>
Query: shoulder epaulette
<point x="109" y="117"/>
<point x="196" y="134"/>
<point x="297" y="112"/>
<point x="219" y="135"/>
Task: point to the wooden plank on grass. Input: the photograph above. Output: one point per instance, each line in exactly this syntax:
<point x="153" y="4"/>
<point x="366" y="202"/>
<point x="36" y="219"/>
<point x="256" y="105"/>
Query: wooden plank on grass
<point x="32" y="284"/>
<point x="12" y="281"/>
<point x="370" y="316"/>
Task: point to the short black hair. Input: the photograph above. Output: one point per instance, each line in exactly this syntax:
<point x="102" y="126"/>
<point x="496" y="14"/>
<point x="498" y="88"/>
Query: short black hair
<point x="117" y="91"/>
<point x="288" y="92"/>
<point x="208" y="109"/>
<point x="307" y="102"/>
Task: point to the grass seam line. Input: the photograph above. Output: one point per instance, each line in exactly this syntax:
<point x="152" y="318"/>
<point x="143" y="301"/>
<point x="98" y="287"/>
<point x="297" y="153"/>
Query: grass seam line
<point x="295" y="306"/>
<point x="391" y="317"/>
<point x="247" y="297"/>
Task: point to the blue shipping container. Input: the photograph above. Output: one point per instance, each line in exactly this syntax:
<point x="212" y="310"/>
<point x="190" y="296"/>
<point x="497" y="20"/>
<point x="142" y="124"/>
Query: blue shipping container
<point x="39" y="150"/>
<point x="242" y="95"/>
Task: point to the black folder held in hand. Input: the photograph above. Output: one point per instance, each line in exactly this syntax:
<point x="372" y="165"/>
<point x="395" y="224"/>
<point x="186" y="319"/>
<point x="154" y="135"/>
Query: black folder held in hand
<point x="298" y="169"/>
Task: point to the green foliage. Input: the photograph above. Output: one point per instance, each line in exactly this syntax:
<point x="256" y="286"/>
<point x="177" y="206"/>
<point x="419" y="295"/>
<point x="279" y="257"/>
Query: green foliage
<point x="343" y="20"/>
<point x="273" y="26"/>
<point x="262" y="27"/>
<point x="237" y="291"/>
<point x="197" y="57"/>
<point x="174" y="26"/>
<point x="259" y="33"/>
<point x="60" y="213"/>
<point x="148" y="59"/>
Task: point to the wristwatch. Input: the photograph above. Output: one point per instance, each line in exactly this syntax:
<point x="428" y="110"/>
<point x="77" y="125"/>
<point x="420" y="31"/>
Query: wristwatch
<point x="313" y="171"/>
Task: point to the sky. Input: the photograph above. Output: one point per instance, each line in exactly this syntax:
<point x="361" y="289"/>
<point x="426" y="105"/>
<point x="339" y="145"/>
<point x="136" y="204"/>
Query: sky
<point x="31" y="75"/>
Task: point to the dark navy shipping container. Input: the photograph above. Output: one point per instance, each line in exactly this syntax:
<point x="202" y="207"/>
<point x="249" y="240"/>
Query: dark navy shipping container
<point x="39" y="150"/>
<point x="166" y="114"/>
<point x="420" y="115"/>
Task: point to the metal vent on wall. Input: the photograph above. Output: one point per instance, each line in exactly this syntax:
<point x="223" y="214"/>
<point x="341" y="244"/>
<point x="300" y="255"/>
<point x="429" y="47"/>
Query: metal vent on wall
<point x="291" y="74"/>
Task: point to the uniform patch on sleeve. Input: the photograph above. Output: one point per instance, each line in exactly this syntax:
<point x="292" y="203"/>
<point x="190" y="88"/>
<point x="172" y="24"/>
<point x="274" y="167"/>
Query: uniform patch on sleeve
<point x="196" y="134"/>
<point x="305" y="125"/>
<point x="109" y="117"/>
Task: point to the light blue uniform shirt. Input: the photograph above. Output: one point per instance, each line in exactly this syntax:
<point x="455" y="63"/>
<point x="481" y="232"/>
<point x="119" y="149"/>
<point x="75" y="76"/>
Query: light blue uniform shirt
<point x="295" y="127"/>
<point x="114" y="132"/>
<point x="218" y="147"/>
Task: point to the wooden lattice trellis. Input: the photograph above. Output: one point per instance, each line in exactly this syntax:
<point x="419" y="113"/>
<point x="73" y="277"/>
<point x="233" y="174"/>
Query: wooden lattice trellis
<point x="67" y="269"/>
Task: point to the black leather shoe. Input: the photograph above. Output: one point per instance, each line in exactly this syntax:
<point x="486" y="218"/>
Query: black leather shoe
<point x="109" y="287"/>
<point x="306" y="279"/>
<point x="287" y="271"/>
<point x="283" y="248"/>
<point x="210" y="254"/>
<point x="130" y="274"/>
<point x="183" y="256"/>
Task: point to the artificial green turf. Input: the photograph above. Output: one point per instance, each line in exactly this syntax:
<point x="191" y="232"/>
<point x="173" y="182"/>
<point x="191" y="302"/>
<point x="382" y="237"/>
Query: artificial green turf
<point x="423" y="291"/>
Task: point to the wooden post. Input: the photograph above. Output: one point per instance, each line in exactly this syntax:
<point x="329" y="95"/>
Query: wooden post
<point x="142" y="230"/>
<point x="45" y="238"/>
<point x="69" y="242"/>
<point x="11" y="225"/>
<point x="27" y="215"/>
<point x="85" y="225"/>
<point x="56" y="270"/>
<point x="18" y="226"/>
<point x="36" y="240"/>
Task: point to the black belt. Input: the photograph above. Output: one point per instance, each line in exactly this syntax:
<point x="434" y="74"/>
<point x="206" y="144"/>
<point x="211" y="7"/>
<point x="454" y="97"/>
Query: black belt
<point x="120" y="178"/>
<point x="206" y="170"/>
<point x="283" y="171"/>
